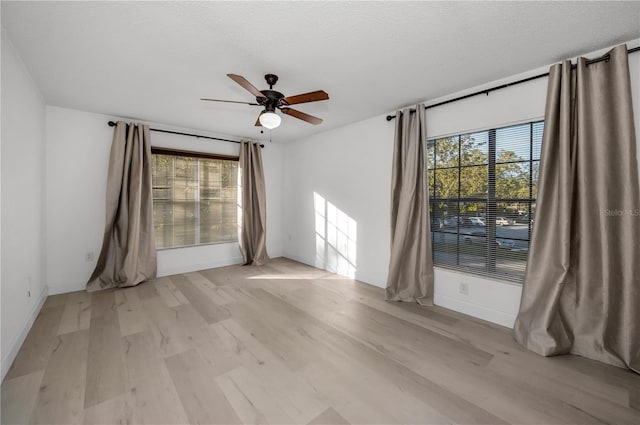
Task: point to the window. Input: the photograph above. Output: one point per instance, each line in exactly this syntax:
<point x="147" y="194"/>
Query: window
<point x="482" y="199"/>
<point x="194" y="198"/>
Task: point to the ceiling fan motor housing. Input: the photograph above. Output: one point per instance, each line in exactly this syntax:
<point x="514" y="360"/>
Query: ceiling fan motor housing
<point x="271" y="99"/>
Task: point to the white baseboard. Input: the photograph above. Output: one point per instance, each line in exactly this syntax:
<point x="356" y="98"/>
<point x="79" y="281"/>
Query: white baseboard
<point x="17" y="342"/>
<point x="475" y="310"/>
<point x="187" y="268"/>
<point x="66" y="288"/>
<point x="371" y="280"/>
<point x="162" y="271"/>
<point x="359" y="276"/>
<point x="298" y="259"/>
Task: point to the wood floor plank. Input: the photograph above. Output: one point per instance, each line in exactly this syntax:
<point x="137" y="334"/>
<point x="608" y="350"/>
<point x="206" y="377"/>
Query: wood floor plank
<point x="19" y="397"/>
<point x="598" y="371"/>
<point x="598" y="406"/>
<point x="552" y="370"/>
<point x="448" y="403"/>
<point x="320" y="341"/>
<point x="407" y="336"/>
<point x="106" y="375"/>
<point x="155" y="398"/>
<point x="447" y="366"/>
<point x="208" y="310"/>
<point x="57" y="300"/>
<point x="40" y="342"/>
<point x="230" y="275"/>
<point x="295" y="397"/>
<point x="490" y="338"/>
<point x="146" y="290"/>
<point x="634" y="399"/>
<point x="339" y="395"/>
<point x="329" y="417"/>
<point x="285" y="335"/>
<point x="358" y="383"/>
<point x="290" y="269"/>
<point x="118" y="410"/>
<point x="169" y="293"/>
<point x="61" y="396"/>
<point x="77" y="312"/>
<point x="209" y="288"/>
<point x="219" y="356"/>
<point x="202" y="398"/>
<point x="131" y="315"/>
<point x="252" y="403"/>
<point x="103" y="302"/>
<point x="423" y="354"/>
<point x="291" y="349"/>
<point x="288" y="343"/>
<point x="164" y="325"/>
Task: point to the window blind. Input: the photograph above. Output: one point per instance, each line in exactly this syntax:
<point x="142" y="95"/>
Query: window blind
<point x="482" y="193"/>
<point x="194" y="199"/>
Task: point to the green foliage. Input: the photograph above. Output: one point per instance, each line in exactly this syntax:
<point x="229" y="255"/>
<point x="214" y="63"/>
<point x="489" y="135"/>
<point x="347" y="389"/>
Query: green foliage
<point x="461" y="168"/>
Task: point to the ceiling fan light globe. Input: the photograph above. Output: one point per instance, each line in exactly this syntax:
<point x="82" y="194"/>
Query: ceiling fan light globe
<point x="270" y="120"/>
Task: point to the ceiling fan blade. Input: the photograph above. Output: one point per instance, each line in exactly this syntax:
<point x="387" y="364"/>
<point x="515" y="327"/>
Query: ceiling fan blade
<point x="313" y="96"/>
<point x="245" y="84"/>
<point x="229" y="101"/>
<point x="257" y="124"/>
<point x="302" y="116"/>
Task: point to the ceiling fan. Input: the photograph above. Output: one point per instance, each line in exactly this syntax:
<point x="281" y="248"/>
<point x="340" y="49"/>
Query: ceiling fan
<point x="272" y="100"/>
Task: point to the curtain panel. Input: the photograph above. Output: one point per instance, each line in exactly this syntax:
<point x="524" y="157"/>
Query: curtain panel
<point x="128" y="254"/>
<point x="410" y="275"/>
<point x="253" y="234"/>
<point x="581" y="292"/>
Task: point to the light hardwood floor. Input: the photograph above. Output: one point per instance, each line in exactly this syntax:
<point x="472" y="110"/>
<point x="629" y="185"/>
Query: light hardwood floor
<point x="289" y="344"/>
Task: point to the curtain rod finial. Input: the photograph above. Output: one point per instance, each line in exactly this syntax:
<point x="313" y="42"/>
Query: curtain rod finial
<point x="390" y="117"/>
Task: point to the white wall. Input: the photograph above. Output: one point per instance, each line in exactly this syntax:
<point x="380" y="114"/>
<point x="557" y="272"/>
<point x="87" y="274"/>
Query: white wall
<point x="78" y="145"/>
<point x="23" y="287"/>
<point x="351" y="167"/>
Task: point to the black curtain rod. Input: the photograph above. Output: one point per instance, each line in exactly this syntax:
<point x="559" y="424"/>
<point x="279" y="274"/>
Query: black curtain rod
<point x="502" y="86"/>
<point x="113" y="124"/>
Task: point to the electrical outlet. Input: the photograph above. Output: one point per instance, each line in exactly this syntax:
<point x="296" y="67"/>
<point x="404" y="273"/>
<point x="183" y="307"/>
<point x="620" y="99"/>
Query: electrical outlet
<point x="464" y="288"/>
<point x="88" y="256"/>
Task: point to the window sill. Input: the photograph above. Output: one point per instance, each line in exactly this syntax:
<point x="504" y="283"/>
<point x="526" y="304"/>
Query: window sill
<point x="487" y="276"/>
<point x="196" y="246"/>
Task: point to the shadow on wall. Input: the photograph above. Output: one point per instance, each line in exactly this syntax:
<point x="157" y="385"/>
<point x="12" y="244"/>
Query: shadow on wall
<point x="336" y="237"/>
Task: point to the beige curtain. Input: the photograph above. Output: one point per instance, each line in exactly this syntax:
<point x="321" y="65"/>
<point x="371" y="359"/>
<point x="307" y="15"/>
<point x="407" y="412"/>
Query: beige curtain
<point x="128" y="254"/>
<point x="581" y="292"/>
<point x="253" y="235"/>
<point x="410" y="266"/>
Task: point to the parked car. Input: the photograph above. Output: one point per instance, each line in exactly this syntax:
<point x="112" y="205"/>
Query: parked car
<point x="504" y="221"/>
<point x="476" y="221"/>
<point x="480" y="237"/>
<point x="525" y="218"/>
<point x="451" y="222"/>
<point x="505" y="243"/>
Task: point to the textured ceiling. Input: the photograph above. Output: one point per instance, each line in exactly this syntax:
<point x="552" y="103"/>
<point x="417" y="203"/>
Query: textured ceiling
<point x="153" y="60"/>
